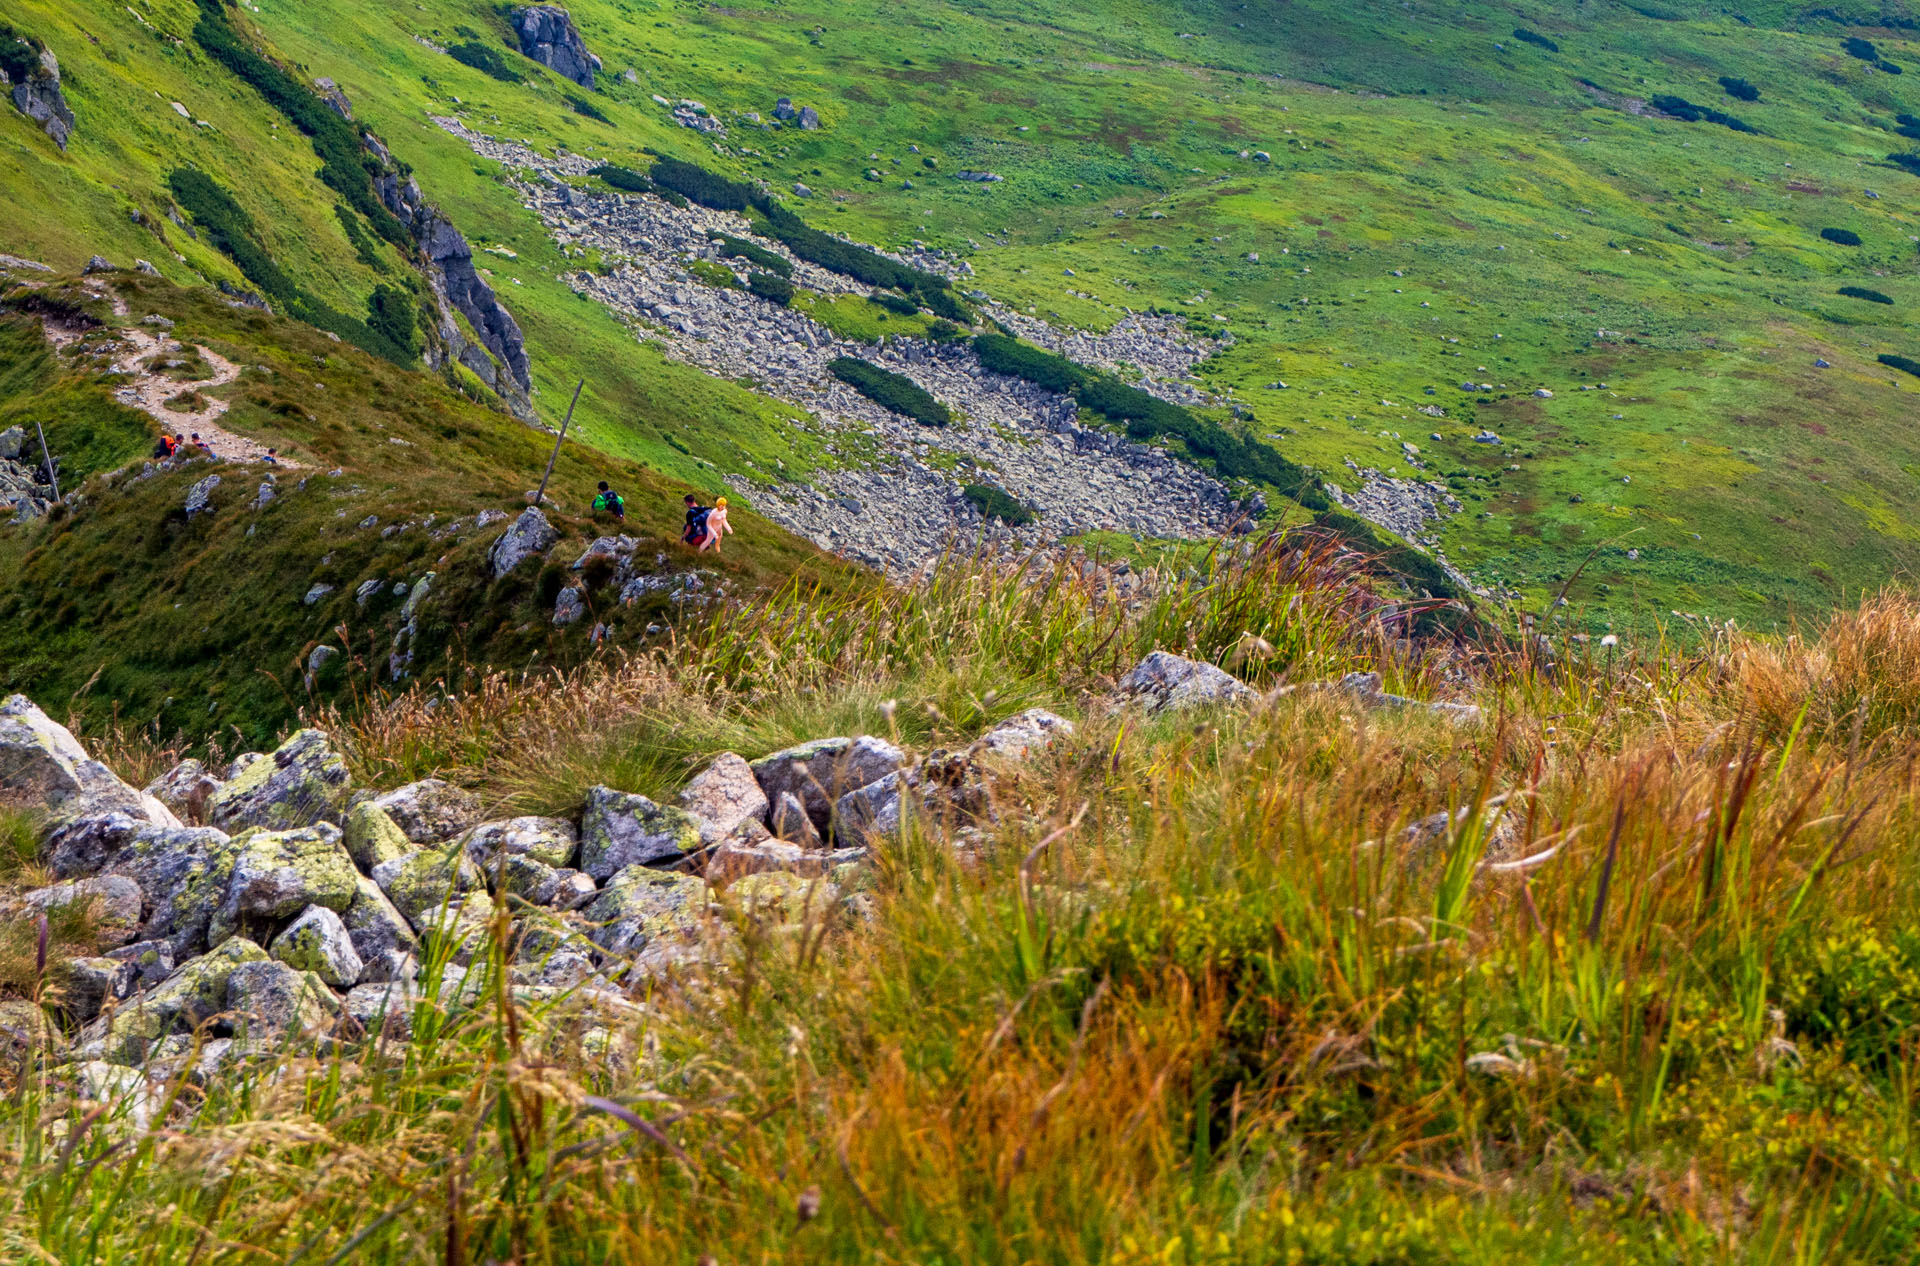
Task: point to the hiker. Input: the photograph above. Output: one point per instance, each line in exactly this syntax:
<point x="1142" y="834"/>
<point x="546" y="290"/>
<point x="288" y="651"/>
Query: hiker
<point x="717" y="525"/>
<point x="167" y="447"/>
<point x="695" y="529"/>
<point x="202" y="445"/>
<point x="272" y="458"/>
<point x="609" y="500"/>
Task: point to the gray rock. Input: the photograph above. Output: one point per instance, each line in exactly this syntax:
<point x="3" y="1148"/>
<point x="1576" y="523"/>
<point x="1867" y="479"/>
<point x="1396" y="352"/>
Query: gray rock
<point x="130" y="1099"/>
<point x="640" y="905"/>
<point x="1364" y="688"/>
<point x="372" y="838"/>
<point x="619" y="829"/>
<point x="548" y="35"/>
<point x="530" y="536"/>
<point x="97" y="264"/>
<point x="875" y="809"/>
<point x="423" y="881"/>
<point x="82" y="986"/>
<point x="316" y="592"/>
<point x="277" y="874"/>
<point x="304" y="781"/>
<point x="791" y="822"/>
<point x="1164" y="682"/>
<point x="549" y="841"/>
<point x="978" y="177"/>
<point x="114" y="903"/>
<point x="318" y="942"/>
<point x="38" y="96"/>
<point x="380" y="934"/>
<point x="272" y="1001"/>
<point x="726" y="798"/>
<point x="1030" y="731"/>
<point x="808" y="119"/>
<point x="43" y="767"/>
<point x="186" y="789"/>
<point x="147" y="963"/>
<point x="194" y="994"/>
<point x="430" y="811"/>
<point x="569" y="607"/>
<point x="384" y="1009"/>
<point x="13" y="441"/>
<point x="318" y="659"/>
<point x="183" y="872"/>
<point x="783" y="109"/>
<point x="737" y="859"/>
<point x="819" y="773"/>
<point x="198" y="499"/>
<point x="539" y="884"/>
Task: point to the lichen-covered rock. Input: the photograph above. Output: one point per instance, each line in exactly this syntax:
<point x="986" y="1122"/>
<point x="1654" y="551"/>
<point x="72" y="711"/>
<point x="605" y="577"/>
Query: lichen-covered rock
<point x="727" y="799"/>
<point x="540" y="884"/>
<point x="384" y="1009"/>
<point x="1030" y="731"/>
<point x="430" y="811"/>
<point x="372" y="838"/>
<point x="114" y="903"/>
<point x="791" y="823"/>
<point x="819" y="773"/>
<point x="781" y="897"/>
<point x="461" y="925"/>
<point x="185" y="789"/>
<point x="734" y="859"/>
<point x="193" y="995"/>
<point x="875" y="809"/>
<point x="425" y="879"/>
<point x="380" y="934"/>
<point x="529" y="537"/>
<point x="318" y="942"/>
<point x="183" y="873"/>
<point x="277" y="874"/>
<point x="130" y="1099"/>
<point x="549" y="841"/>
<point x="303" y="782"/>
<point x="147" y="962"/>
<point x="1162" y="682"/>
<point x="272" y="1001"/>
<point x="1364" y="688"/>
<point x="619" y="829"/>
<point x="43" y="767"/>
<point x="640" y="905"/>
<point x="37" y="94"/>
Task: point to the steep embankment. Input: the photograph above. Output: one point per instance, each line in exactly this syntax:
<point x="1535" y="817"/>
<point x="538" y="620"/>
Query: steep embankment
<point x="193" y="597"/>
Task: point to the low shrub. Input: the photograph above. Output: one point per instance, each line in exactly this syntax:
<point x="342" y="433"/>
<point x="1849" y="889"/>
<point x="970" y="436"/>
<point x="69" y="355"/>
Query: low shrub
<point x="1842" y="237"/>
<point x="899" y="305"/>
<point x="890" y="391"/>
<point x="1908" y="160"/>
<point x="1861" y="292"/>
<point x="580" y="105"/>
<point x="1535" y="38"/>
<point x="697" y="184"/>
<point x="753" y="253"/>
<point x="771" y="287"/>
<point x="1739" y="89"/>
<point x="1905" y="364"/>
<point x="1005" y="355"/>
<point x="486" y="59"/>
<point x="19" y="54"/>
<point x="995" y="503"/>
<point x="1862" y="49"/>
<point x="1681" y="108"/>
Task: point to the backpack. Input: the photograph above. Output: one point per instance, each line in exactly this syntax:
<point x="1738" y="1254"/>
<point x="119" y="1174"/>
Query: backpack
<point x="696" y="524"/>
<point x="165" y="448"/>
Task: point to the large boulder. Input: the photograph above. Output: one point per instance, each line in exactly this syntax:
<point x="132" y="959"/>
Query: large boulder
<point x="1017" y="736"/>
<point x="277" y="874"/>
<point x="423" y="881"/>
<point x="112" y="904"/>
<point x="82" y="985"/>
<point x="183" y="872"/>
<point x="728" y="800"/>
<point x="431" y="810"/>
<point x="193" y="995"/>
<point x="548" y="35"/>
<point x="619" y="829"/>
<point x="640" y="905"/>
<point x="37" y="95"/>
<point x="372" y="838"/>
<point x="529" y="537"/>
<point x="185" y="789"/>
<point x="1166" y="683"/>
<point x="537" y="883"/>
<point x="43" y="767"/>
<point x="817" y="774"/>
<point x="318" y="942"/>
<point x="304" y="781"/>
<point x="380" y="934"/>
<point x="271" y="1001"/>
<point x="549" y="841"/>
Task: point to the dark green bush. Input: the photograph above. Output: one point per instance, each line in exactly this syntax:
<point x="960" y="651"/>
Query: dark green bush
<point x="1908" y="160"/>
<point x="1907" y="120"/>
<point x="760" y="256"/>
<point x="627" y="180"/>
<point x="899" y="305"/>
<point x="1905" y="364"/>
<point x="772" y="287"/>
<point x="486" y="59"/>
<point x="995" y="503"/>
<point x="697" y="184"/>
<point x="1681" y="108"/>
<point x="1862" y="49"/>
<point x="19" y="54"/>
<point x="1861" y="292"/>
<point x="890" y="391"/>
<point x="392" y="314"/>
<point x="1004" y="355"/>
<point x="1842" y="237"/>
<point x="580" y="105"/>
<point x="1535" y="38"/>
<point x="1739" y="89"/>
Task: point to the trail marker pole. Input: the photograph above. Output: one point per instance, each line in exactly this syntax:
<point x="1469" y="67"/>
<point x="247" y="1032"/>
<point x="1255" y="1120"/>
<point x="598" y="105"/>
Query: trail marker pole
<point x="557" y="441"/>
<point x="47" y="457"/>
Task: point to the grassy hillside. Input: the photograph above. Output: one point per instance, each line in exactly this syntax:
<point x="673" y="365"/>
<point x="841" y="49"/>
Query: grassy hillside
<point x="1195" y="996"/>
<point x="124" y="606"/>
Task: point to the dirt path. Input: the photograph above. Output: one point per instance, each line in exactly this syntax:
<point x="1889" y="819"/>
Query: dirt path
<point x="150" y="389"/>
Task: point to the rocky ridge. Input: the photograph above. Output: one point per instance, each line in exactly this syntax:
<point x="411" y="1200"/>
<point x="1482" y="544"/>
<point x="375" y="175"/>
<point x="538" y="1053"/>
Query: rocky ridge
<point x="900" y="509"/>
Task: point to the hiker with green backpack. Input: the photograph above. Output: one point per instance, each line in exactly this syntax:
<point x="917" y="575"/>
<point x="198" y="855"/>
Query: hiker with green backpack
<point x="609" y="500"/>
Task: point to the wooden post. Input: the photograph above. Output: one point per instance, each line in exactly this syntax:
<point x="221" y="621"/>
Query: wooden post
<point x="47" y="457"/>
<point x="557" y="441"/>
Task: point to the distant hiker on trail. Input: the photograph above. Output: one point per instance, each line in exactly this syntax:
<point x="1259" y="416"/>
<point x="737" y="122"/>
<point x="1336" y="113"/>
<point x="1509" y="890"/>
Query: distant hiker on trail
<point x="695" y="529"/>
<point x="202" y="445"/>
<point x="717" y="525"/>
<point x="167" y="447"/>
<point x="272" y="458"/>
<point x="609" y="500"/>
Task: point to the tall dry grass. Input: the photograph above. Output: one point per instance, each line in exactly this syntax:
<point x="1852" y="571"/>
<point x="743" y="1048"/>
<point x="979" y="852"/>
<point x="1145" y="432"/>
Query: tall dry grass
<point x="1198" y="997"/>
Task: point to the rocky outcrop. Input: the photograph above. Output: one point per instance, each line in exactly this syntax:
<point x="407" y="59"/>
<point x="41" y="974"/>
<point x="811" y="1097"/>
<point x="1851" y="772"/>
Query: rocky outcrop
<point x="43" y="765"/>
<point x="818" y="774"/>
<point x="529" y="537"/>
<point x="304" y="781"/>
<point x="33" y="82"/>
<point x="1169" y="683"/>
<point x="548" y="36"/>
